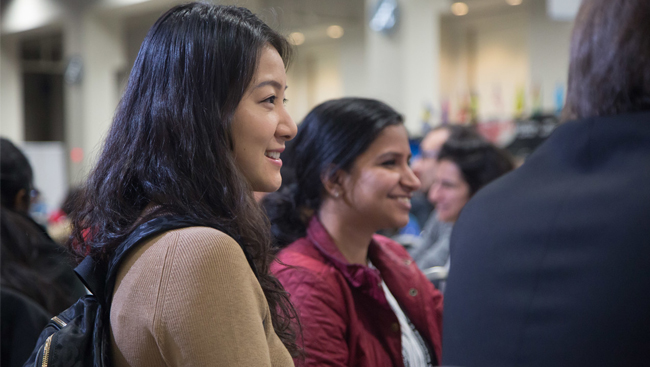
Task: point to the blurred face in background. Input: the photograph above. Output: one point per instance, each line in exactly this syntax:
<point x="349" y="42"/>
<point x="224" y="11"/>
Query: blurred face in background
<point x="378" y="188"/>
<point x="425" y="165"/>
<point x="449" y="191"/>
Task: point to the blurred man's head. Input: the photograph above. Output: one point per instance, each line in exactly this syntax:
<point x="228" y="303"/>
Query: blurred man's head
<point x="609" y="73"/>
<point x="425" y="165"/>
<point x="16" y="177"/>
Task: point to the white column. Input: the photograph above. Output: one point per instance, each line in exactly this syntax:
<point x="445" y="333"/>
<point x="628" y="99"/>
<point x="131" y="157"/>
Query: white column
<point x="12" y="119"/>
<point x="73" y="96"/>
<point x="104" y="57"/>
<point x="403" y="67"/>
<point x="549" y="70"/>
<point x="421" y="58"/>
<point x="91" y="103"/>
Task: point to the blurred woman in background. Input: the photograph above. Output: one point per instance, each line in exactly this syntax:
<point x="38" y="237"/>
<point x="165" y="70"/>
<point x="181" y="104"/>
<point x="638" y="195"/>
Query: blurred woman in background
<point x="361" y="298"/>
<point x="200" y="127"/>
<point x="36" y="274"/>
<point x="466" y="163"/>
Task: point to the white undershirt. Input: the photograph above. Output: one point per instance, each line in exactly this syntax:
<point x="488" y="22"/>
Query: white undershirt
<point x="414" y="350"/>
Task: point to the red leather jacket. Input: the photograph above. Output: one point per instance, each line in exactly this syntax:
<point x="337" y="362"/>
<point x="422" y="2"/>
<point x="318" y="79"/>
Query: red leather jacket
<point x="346" y="319"/>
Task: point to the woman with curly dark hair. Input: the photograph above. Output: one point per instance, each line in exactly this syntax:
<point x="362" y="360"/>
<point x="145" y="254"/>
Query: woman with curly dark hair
<point x="200" y="127"/>
<point x="466" y="163"/>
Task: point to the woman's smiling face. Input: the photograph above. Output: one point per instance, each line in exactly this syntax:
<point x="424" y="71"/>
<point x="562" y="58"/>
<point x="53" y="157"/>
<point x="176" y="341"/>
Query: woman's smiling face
<point x="261" y="124"/>
<point x="379" y="186"/>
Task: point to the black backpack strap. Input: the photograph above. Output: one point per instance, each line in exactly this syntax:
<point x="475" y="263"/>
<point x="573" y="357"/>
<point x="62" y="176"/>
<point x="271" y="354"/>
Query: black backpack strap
<point x="91" y="276"/>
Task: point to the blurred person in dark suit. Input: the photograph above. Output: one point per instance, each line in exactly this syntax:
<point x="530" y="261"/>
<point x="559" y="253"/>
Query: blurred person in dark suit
<point x="551" y="261"/>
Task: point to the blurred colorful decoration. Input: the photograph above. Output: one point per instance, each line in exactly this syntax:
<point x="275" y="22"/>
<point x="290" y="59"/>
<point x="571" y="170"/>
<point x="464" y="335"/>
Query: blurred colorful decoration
<point x="76" y="155"/>
<point x="520" y="102"/>
<point x="464" y="109"/>
<point x="425" y="118"/>
<point x="559" y="99"/>
<point x="473" y="108"/>
<point x="445" y="107"/>
<point x="497" y="99"/>
<point x="499" y="132"/>
<point x="536" y="96"/>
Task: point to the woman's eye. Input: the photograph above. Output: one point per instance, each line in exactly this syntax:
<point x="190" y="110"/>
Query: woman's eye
<point x="285" y="101"/>
<point x="392" y="162"/>
<point x="270" y="100"/>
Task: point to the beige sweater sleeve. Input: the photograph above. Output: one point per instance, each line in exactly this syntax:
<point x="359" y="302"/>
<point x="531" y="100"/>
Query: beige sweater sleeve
<point x="198" y="304"/>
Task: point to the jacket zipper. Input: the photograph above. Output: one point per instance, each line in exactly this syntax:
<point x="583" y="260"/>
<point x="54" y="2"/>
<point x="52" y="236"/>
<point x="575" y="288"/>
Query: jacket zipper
<point x="59" y="322"/>
<point x="46" y="351"/>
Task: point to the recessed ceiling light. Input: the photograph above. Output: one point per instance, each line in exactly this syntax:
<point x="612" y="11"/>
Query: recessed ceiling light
<point x="514" y="2"/>
<point x="335" y="31"/>
<point x="459" y="9"/>
<point x="297" y="38"/>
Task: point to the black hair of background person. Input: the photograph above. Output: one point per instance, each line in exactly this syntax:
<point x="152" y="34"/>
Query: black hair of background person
<point x="551" y="261"/>
<point x="16" y="174"/>
<point x="170" y="142"/>
<point x="30" y="262"/>
<point x="479" y="161"/>
<point x="330" y="138"/>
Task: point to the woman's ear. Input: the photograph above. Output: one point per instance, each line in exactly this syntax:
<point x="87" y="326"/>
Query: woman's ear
<point x="332" y="182"/>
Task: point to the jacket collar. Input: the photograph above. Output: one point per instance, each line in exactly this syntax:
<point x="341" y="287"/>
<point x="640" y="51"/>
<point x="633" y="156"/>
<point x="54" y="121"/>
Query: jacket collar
<point x="359" y="276"/>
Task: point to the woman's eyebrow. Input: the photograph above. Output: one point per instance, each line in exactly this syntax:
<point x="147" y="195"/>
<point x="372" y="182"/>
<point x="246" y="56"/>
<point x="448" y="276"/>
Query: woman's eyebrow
<point x="272" y="83"/>
<point x="389" y="154"/>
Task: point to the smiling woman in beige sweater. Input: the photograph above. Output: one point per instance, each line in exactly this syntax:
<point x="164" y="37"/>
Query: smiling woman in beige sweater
<point x="200" y="126"/>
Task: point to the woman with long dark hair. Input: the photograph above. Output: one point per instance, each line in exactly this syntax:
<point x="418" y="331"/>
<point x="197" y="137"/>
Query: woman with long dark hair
<point x="200" y="126"/>
<point x="361" y="298"/>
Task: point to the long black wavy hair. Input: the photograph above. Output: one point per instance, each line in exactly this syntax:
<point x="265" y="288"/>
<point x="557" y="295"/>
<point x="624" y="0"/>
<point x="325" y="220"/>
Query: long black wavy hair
<point x="329" y="139"/>
<point x="170" y="142"/>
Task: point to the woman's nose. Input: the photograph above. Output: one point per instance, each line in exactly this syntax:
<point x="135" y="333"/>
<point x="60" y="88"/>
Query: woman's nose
<point x="286" y="129"/>
<point x="410" y="180"/>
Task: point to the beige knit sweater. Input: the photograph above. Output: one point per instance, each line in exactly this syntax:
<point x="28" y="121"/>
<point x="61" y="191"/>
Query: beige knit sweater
<point x="189" y="298"/>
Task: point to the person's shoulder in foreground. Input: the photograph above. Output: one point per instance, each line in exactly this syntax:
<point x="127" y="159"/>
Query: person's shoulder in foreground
<point x="189" y="297"/>
<point x="549" y="260"/>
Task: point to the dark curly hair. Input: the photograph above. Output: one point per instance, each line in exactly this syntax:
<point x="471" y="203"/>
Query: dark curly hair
<point x="170" y="142"/>
<point x="479" y="161"/>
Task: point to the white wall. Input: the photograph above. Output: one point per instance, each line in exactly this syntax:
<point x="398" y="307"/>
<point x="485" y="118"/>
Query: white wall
<point x="498" y="55"/>
<point x="549" y="50"/>
<point x="501" y="65"/>
<point x="48" y="160"/>
<point x="314" y="77"/>
<point x="11" y="91"/>
<point x="104" y="59"/>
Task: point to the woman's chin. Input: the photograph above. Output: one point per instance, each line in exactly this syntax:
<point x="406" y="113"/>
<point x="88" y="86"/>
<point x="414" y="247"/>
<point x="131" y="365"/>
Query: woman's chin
<point x="400" y="222"/>
<point x="267" y="186"/>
